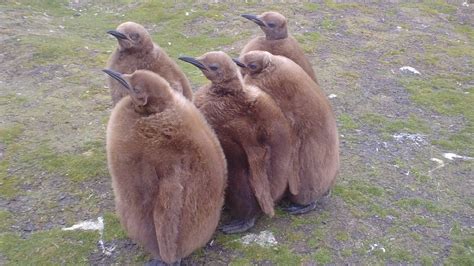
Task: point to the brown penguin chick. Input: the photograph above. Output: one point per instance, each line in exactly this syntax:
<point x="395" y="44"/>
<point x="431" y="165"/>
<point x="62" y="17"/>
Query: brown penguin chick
<point x="312" y="121"/>
<point x="167" y="167"/>
<point x="277" y="40"/>
<point x="254" y="135"/>
<point x="136" y="50"/>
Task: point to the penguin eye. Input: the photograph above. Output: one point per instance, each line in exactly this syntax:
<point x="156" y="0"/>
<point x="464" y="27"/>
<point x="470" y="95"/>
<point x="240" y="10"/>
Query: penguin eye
<point x="271" y="25"/>
<point x="134" y="36"/>
<point x="214" y="67"/>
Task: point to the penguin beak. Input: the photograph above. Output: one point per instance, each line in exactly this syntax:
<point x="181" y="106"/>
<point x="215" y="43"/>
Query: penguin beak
<point x="117" y="76"/>
<point x="254" y="18"/>
<point x="118" y="35"/>
<point x="240" y="64"/>
<point x="193" y="61"/>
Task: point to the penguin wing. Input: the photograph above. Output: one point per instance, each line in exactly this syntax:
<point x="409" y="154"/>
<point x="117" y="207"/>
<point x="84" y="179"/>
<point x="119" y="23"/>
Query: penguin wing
<point x="166" y="215"/>
<point x="257" y="158"/>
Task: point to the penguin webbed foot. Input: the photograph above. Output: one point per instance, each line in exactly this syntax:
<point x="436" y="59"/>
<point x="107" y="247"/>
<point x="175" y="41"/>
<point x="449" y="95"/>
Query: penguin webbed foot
<point x="297" y="209"/>
<point x="157" y="262"/>
<point x="238" y="226"/>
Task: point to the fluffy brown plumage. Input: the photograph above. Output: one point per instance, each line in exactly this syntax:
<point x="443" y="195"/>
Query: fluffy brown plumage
<point x="277" y="40"/>
<point x="136" y="50"/>
<point x="254" y="135"/>
<point x="310" y="116"/>
<point x="168" y="169"/>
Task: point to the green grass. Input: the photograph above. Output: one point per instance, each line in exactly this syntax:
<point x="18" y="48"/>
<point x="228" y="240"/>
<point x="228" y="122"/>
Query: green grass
<point x="411" y="203"/>
<point x="442" y="94"/>
<point x="432" y="7"/>
<point x="347" y="123"/>
<point x="52" y="247"/>
<point x="5" y="220"/>
<point x="88" y="163"/>
<point x="322" y="256"/>
<point x="9" y="134"/>
<point x="112" y="227"/>
<point x="389" y="126"/>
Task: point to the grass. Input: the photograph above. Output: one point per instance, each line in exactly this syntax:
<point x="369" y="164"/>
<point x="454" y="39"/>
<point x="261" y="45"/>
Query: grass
<point x="48" y="247"/>
<point x="5" y="221"/>
<point x="411" y="203"/>
<point x="390" y="126"/>
<point x="443" y="95"/>
<point x="9" y="134"/>
<point x="87" y="163"/>
<point x="56" y="110"/>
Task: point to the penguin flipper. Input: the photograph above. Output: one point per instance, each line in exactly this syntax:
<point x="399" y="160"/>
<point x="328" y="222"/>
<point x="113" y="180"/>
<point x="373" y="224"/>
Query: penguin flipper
<point x="166" y="215"/>
<point x="259" y="182"/>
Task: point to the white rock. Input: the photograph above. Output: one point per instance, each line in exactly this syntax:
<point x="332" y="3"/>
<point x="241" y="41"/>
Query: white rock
<point x="416" y="138"/>
<point x="88" y="225"/>
<point x="264" y="239"/>
<point x="332" y="96"/>
<point x="410" y="69"/>
<point x="452" y="156"/>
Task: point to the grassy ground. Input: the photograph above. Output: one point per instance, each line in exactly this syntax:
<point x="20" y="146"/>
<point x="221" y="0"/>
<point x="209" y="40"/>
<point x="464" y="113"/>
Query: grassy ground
<point x="390" y="204"/>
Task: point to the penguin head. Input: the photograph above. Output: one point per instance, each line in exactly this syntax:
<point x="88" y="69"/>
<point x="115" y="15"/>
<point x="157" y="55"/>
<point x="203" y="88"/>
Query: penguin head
<point x="149" y="91"/>
<point x="132" y="36"/>
<point x="256" y="62"/>
<point x="218" y="67"/>
<point x="273" y="24"/>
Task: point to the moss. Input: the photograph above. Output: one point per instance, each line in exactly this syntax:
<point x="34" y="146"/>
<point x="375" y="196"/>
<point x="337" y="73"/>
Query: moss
<point x="89" y="162"/>
<point x="410" y="203"/>
<point x="442" y="94"/>
<point x="281" y="255"/>
<point x="423" y="221"/>
<point x="311" y="6"/>
<point x="461" y="252"/>
<point x="328" y="24"/>
<point x="6" y="220"/>
<point x="13" y="99"/>
<point x="322" y="256"/>
<point x="309" y="40"/>
<point x="112" y="228"/>
<point x="346" y="122"/>
<point x="9" y="134"/>
<point x="433" y="7"/>
<point x="8" y="183"/>
<point x="466" y="30"/>
<point x="342" y="236"/>
<point x="426" y="261"/>
<point x="389" y="126"/>
<point x="346" y="253"/>
<point x="49" y="247"/>
<point x="341" y="5"/>
<point x="358" y="192"/>
<point x="400" y="255"/>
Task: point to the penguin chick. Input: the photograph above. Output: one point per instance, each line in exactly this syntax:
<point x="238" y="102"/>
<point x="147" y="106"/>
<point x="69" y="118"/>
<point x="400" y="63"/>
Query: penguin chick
<point x="167" y="167"/>
<point x="277" y="40"/>
<point x="136" y="50"/>
<point x="254" y="135"/>
<point x="316" y="146"/>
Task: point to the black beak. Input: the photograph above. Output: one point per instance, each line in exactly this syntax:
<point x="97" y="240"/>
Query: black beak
<point x="254" y="19"/>
<point x="118" y="35"/>
<point x="193" y="61"/>
<point x="117" y="76"/>
<point x="240" y="64"/>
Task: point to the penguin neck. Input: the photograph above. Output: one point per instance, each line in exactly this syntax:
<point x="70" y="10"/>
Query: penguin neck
<point x="273" y="36"/>
<point x="232" y="86"/>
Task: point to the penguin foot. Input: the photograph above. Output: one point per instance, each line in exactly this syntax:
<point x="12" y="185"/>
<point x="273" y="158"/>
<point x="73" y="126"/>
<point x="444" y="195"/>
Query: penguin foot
<point x="238" y="226"/>
<point x="157" y="262"/>
<point x="296" y="209"/>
